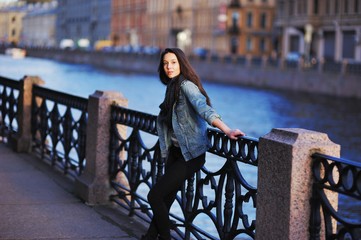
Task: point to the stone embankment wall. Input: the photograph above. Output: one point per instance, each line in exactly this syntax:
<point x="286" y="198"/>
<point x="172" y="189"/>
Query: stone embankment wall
<point x="317" y="81"/>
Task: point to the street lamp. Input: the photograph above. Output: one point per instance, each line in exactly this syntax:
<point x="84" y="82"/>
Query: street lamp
<point x="308" y="40"/>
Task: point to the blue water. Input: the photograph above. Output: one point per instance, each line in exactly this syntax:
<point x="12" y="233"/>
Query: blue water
<point x="254" y="111"/>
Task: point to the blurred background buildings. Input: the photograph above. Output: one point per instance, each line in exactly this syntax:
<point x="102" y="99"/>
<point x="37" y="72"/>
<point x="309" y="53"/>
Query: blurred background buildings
<point x="312" y="29"/>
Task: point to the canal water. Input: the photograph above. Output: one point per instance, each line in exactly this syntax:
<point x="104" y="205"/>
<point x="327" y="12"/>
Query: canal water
<point x="254" y="111"/>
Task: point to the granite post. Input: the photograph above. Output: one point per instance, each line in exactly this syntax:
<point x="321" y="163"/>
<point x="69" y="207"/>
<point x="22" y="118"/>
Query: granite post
<point x="93" y="185"/>
<point x="285" y="182"/>
<point x="22" y="141"/>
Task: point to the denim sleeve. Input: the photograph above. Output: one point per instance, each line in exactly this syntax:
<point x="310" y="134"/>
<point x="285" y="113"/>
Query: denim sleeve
<point x="199" y="102"/>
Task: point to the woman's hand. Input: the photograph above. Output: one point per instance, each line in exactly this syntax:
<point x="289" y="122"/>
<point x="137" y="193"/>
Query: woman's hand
<point x="231" y="133"/>
<point x="235" y="133"/>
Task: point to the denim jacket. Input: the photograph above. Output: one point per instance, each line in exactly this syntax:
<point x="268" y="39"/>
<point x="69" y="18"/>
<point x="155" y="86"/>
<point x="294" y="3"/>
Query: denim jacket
<point x="190" y="116"/>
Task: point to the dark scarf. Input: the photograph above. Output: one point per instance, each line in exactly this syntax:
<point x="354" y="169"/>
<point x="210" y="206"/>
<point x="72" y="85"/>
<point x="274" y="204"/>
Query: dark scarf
<point x="171" y="96"/>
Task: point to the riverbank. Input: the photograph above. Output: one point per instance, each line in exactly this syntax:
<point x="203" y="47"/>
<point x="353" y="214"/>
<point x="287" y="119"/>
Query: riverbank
<point x="246" y="73"/>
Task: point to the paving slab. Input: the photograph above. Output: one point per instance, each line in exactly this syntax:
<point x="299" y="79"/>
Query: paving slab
<point x="37" y="202"/>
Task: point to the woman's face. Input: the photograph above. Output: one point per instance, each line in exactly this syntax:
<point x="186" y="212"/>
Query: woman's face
<point x="171" y="65"/>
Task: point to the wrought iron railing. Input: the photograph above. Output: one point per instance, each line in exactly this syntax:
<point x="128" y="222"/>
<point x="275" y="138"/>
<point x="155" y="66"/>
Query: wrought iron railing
<point x="9" y="101"/>
<point x="217" y="203"/>
<point x="59" y="123"/>
<point x="341" y="176"/>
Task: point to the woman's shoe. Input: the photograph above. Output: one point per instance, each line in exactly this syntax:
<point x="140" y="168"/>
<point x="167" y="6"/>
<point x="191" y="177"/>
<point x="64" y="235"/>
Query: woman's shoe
<point x="164" y="238"/>
<point x="146" y="237"/>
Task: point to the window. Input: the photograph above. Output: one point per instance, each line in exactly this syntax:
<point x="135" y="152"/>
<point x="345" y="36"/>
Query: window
<point x="263" y="20"/>
<point x="301" y="7"/>
<point x="336" y="7"/>
<point x="345" y="10"/>
<point x="356" y="6"/>
<point x="235" y="18"/>
<point x="78" y="30"/>
<point x="249" y="19"/>
<point x="348" y="44"/>
<point x="315" y="7"/>
<point x="249" y="44"/>
<point x="262" y="45"/>
<point x="328" y="11"/>
<point x="281" y="6"/>
<point x="291" y="8"/>
<point x="234" y="45"/>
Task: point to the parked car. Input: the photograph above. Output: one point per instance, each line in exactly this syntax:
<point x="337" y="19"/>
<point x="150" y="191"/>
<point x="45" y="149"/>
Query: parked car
<point x="151" y="50"/>
<point x="200" y="52"/>
<point x="293" y="56"/>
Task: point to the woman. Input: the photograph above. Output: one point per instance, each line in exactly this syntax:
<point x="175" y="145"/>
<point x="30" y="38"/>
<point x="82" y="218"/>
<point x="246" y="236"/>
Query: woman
<point x="182" y="130"/>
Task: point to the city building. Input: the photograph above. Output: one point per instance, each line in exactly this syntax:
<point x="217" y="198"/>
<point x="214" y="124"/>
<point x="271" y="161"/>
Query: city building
<point x="128" y="22"/>
<point x="39" y="25"/>
<point x="207" y="25"/>
<point x="250" y="27"/>
<point x="322" y="29"/>
<point x="188" y="24"/>
<point x="196" y="26"/>
<point x="160" y="23"/>
<point x="11" y="22"/>
<point x="82" y="23"/>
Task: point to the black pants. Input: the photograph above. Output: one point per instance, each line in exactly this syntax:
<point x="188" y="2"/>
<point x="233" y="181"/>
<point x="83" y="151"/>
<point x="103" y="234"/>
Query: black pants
<point x="163" y="193"/>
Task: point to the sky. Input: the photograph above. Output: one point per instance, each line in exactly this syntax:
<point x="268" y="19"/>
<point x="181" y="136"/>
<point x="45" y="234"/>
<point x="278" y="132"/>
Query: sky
<point x="7" y="1"/>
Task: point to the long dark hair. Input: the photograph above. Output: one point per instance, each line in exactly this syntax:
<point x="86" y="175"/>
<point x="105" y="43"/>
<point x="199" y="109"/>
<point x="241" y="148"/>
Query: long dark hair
<point x="185" y="68"/>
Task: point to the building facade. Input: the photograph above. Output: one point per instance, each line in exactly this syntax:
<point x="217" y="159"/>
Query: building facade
<point x="128" y="22"/>
<point x="250" y="27"/>
<point x="83" y="21"/>
<point x="325" y="29"/>
<point x="11" y="23"/>
<point x="187" y="24"/>
<point x="39" y="25"/>
<point x="179" y="23"/>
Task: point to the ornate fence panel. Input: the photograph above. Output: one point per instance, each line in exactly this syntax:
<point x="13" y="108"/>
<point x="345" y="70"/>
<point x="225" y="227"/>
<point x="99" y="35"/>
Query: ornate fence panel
<point x="217" y="203"/>
<point x="9" y="91"/>
<point x="59" y="123"/>
<point x="342" y="176"/>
